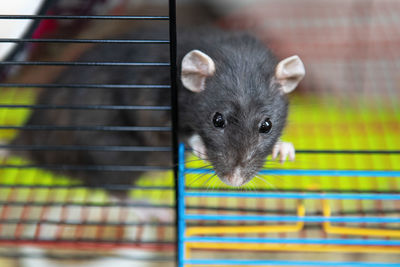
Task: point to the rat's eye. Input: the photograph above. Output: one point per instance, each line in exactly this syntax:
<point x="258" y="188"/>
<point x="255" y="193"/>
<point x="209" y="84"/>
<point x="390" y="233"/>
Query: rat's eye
<point x="219" y="120"/>
<point x="265" y="126"/>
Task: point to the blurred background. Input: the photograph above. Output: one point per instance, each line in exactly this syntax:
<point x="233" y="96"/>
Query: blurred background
<point x="349" y="100"/>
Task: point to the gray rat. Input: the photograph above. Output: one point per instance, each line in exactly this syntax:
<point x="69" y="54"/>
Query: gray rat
<point x="239" y="106"/>
<point x="232" y="107"/>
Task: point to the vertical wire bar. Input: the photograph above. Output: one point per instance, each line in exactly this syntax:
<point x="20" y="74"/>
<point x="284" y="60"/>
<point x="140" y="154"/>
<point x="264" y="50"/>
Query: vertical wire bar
<point x="174" y="115"/>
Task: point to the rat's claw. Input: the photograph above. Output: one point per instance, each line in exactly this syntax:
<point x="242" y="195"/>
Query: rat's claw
<point x="284" y="149"/>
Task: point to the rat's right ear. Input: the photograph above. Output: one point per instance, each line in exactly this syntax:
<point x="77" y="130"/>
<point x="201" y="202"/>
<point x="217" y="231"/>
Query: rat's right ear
<point x="288" y="73"/>
<point x="196" y="67"/>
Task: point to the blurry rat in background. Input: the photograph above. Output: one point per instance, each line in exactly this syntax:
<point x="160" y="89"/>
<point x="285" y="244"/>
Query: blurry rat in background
<point x="232" y="103"/>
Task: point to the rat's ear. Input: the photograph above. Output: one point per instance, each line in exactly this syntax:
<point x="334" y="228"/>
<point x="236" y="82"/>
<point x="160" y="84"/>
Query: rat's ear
<point x="288" y="73"/>
<point x="196" y="67"/>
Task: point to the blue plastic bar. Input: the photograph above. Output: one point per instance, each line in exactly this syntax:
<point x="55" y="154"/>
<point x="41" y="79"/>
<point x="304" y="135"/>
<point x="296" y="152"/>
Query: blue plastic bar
<point x="181" y="207"/>
<point x="297" y="172"/>
<point x="308" y="241"/>
<point x="295" y="195"/>
<point x="229" y="262"/>
<point x="282" y="218"/>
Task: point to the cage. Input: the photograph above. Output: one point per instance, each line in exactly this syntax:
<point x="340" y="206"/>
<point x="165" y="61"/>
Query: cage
<point x="337" y="204"/>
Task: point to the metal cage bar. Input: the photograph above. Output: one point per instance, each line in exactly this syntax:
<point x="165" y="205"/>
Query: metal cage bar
<point x="50" y="193"/>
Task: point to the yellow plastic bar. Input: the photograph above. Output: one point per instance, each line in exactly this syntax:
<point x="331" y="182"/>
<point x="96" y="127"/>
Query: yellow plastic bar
<point x="293" y="247"/>
<point x="329" y="229"/>
<point x="187" y="254"/>
<point x="190" y="231"/>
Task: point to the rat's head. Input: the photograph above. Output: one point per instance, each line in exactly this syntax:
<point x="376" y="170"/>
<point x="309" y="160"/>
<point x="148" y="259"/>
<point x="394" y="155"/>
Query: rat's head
<point x="239" y="110"/>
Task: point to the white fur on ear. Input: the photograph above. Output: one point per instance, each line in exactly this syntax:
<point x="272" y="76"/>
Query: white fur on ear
<point x="289" y="72"/>
<point x="196" y="67"/>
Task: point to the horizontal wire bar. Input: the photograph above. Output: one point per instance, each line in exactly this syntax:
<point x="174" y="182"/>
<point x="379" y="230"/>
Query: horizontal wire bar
<point x="288" y="218"/>
<point x="373" y="242"/>
<point x="89" y="86"/>
<point x="113" y="168"/>
<point x="89" y="256"/>
<point x="299" y="195"/>
<point x="103" y="186"/>
<point x="77" y="241"/>
<point x="238" y="262"/>
<point x="341" y="151"/>
<point x="305" y="227"/>
<point x="86" y="204"/>
<point x="149" y="224"/>
<point x="105" y="17"/>
<point x="301" y="172"/>
<point x="194" y="207"/>
<point x="200" y="190"/>
<point x="346" y="151"/>
<point x="87" y="107"/>
<point x="89" y="148"/>
<point x="101" y="64"/>
<point x="87" y="128"/>
<point x="293" y="190"/>
<point x="293" y="212"/>
<point x="357" y="173"/>
<point x="219" y="209"/>
<point x="111" y="41"/>
<point x="84" y="223"/>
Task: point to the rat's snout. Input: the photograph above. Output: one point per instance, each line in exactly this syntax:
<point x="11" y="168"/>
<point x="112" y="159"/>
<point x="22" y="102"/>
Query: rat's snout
<point x="235" y="178"/>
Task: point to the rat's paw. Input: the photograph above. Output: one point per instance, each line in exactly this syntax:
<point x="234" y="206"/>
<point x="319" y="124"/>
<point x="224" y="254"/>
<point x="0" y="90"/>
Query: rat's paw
<point x="284" y="149"/>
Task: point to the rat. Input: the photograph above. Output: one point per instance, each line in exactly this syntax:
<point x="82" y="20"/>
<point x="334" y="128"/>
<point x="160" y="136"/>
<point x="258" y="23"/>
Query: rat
<point x="232" y="97"/>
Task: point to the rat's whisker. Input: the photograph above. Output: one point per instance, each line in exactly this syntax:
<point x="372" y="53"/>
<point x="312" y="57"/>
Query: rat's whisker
<point x="193" y="160"/>
<point x="214" y="180"/>
<point x="204" y="167"/>
<point x="251" y="186"/>
<point x="267" y="182"/>
<point x="197" y="178"/>
<point x="213" y="185"/>
<point x="275" y="176"/>
<point x="199" y="152"/>
<point x="188" y="161"/>
<point x="208" y="180"/>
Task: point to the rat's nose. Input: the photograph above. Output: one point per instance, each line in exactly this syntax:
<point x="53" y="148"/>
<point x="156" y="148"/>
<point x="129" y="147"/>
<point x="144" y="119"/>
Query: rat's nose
<point x="235" y="178"/>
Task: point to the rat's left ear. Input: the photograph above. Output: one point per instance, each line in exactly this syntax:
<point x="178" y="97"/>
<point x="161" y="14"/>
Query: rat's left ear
<point x="196" y="67"/>
<point x="288" y="73"/>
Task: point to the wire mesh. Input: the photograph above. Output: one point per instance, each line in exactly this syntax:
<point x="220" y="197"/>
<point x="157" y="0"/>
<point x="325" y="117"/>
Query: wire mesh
<point x="45" y="214"/>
